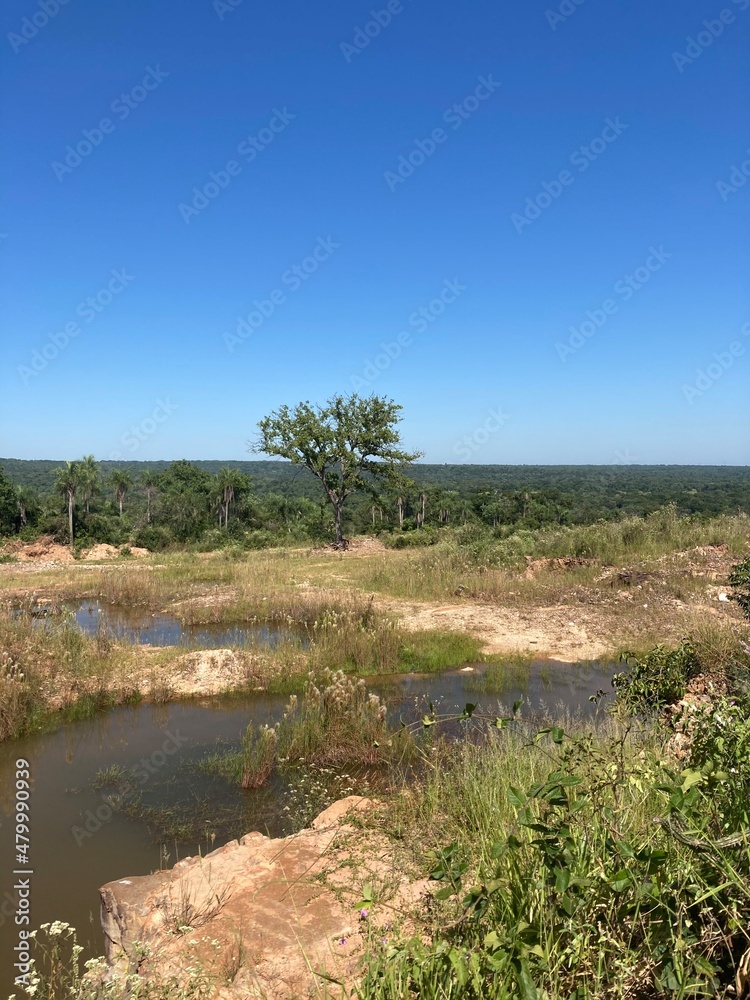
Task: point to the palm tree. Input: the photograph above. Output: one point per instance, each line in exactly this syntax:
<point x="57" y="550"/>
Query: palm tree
<point x="89" y="472"/>
<point x="67" y="483"/>
<point x="25" y="498"/>
<point x="230" y="483"/>
<point x="120" y="481"/>
<point x="148" y="482"/>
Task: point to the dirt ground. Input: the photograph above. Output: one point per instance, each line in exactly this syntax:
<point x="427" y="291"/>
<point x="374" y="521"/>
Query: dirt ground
<point x="625" y="607"/>
<point x="46" y="552"/>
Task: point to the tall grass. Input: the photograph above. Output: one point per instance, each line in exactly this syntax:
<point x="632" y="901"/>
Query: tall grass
<point x="304" y="584"/>
<point x="51" y="672"/>
<point x="557" y="881"/>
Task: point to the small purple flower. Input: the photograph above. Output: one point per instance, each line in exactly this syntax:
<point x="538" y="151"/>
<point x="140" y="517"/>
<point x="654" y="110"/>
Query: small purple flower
<point x="364" y="914"/>
<point x="342" y="941"/>
<point x="384" y="940"/>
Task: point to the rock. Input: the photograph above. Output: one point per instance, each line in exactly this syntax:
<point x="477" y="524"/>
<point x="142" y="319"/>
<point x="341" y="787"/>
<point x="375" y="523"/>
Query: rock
<point x="335" y="813"/>
<point x="260" y="916"/>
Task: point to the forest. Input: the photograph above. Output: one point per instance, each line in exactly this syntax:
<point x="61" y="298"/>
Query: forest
<point x="256" y="504"/>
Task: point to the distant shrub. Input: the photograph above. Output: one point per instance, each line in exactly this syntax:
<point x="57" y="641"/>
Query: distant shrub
<point x="153" y="537"/>
<point x="261" y="539"/>
<point x="411" y="539"/>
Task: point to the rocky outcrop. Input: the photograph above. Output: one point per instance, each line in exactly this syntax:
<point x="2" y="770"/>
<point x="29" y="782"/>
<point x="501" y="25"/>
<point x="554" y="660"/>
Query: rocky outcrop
<point x="259" y="916"/>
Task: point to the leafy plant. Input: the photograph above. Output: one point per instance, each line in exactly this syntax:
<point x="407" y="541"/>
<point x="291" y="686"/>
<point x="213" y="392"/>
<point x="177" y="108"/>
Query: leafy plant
<point x="657" y="679"/>
<point x="739" y="579"/>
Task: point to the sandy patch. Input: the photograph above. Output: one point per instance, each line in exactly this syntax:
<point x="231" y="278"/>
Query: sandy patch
<point x="559" y="632"/>
<point x="44" y="549"/>
<point x="104" y="551"/>
<point x="48" y="552"/>
<point x="362" y="546"/>
<point x="202" y="673"/>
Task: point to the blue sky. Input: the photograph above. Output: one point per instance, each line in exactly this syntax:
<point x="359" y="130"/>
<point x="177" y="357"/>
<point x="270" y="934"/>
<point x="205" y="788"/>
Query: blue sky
<point x="547" y="152"/>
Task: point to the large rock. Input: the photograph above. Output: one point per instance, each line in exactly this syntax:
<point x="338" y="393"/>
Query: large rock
<point x="260" y="916"/>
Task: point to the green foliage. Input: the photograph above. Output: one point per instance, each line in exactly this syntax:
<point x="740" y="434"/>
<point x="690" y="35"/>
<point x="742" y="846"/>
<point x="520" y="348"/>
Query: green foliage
<point x="600" y="512"/>
<point x="739" y="579"/>
<point x="657" y="679"/>
<point x="568" y="889"/>
<point x="348" y="445"/>
<point x="719" y="737"/>
<point x="8" y="504"/>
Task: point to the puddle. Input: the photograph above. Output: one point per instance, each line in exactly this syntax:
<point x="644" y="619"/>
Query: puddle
<point x="78" y="842"/>
<point x="143" y="627"/>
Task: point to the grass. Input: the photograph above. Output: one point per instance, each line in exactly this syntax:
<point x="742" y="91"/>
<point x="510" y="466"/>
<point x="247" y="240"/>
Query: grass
<point x="50" y="673"/>
<point x="501" y="678"/>
<point x="301" y="585"/>
<point x="554" y="879"/>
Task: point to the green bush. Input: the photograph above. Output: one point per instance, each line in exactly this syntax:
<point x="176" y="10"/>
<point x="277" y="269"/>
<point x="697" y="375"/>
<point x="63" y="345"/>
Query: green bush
<point x="153" y="537"/>
<point x="657" y="679"/>
<point x="720" y="742"/>
<point x="564" y="887"/>
<point x="739" y="579"/>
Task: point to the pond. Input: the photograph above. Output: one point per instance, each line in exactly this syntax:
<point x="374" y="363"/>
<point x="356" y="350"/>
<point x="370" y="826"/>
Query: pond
<point x="133" y="624"/>
<point x="172" y="809"/>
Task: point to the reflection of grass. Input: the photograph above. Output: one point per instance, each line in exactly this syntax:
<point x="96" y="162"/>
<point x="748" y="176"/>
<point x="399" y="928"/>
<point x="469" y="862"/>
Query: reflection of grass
<point x="503" y="678"/>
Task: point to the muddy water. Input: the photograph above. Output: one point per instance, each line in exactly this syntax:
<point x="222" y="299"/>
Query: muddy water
<point x="78" y="842"/>
<point x="136" y="625"/>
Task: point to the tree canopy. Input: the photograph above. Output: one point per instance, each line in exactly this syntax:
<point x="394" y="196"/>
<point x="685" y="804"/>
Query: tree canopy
<point x="349" y="445"/>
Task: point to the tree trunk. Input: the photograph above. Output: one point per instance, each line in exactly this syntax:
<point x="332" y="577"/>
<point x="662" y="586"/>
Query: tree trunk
<point x="119" y="499"/>
<point x="148" y="507"/>
<point x="70" y="520"/>
<point x="339" y="516"/>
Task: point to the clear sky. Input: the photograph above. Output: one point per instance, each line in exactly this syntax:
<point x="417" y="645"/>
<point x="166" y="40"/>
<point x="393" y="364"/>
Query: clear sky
<point x="540" y="209"/>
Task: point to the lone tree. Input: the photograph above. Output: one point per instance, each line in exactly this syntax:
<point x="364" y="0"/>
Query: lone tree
<point x="349" y="444"/>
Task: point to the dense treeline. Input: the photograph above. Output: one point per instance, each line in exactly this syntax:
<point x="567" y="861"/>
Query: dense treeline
<point x="156" y="504"/>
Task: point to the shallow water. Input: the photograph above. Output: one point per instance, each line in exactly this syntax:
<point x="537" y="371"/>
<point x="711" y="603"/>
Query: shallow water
<point x="74" y="850"/>
<point x="133" y="624"/>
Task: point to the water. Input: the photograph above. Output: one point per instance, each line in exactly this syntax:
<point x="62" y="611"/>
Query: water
<point x="73" y="852"/>
<point x="136" y="625"/>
